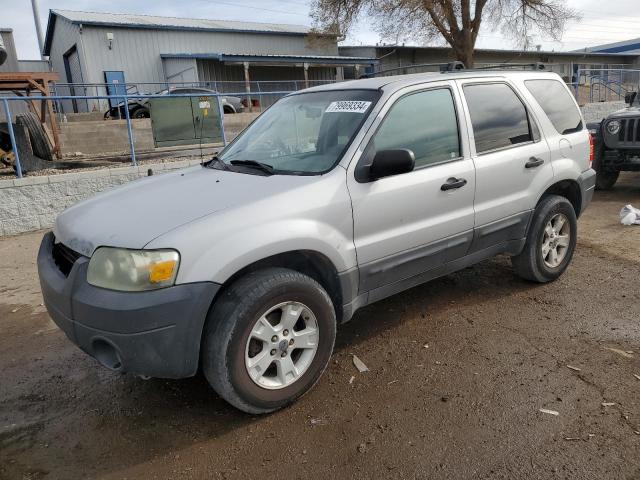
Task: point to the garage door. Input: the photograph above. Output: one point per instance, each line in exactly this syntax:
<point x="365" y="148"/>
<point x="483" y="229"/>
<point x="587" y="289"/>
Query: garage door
<point x="74" y="76"/>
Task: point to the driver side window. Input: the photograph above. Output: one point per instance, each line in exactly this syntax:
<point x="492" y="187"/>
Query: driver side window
<point x="423" y="122"/>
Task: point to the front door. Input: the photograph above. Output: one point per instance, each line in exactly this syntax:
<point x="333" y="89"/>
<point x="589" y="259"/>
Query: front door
<point x="407" y="224"/>
<point x="115" y="86"/>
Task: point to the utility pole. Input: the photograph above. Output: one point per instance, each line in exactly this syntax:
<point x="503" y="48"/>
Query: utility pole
<point x="36" y="19"/>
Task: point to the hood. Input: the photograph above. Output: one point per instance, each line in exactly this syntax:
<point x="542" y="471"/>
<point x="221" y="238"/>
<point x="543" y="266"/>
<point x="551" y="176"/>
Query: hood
<point x="633" y="111"/>
<point x="134" y="214"/>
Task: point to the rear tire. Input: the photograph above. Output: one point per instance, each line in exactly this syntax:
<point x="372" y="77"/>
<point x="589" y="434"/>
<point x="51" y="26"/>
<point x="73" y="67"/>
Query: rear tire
<point x="537" y="261"/>
<point x="37" y="136"/>
<point x="290" y="302"/>
<point x="140" y="112"/>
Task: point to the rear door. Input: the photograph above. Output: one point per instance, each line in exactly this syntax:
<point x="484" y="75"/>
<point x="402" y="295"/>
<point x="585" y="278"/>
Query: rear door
<point x="511" y="157"/>
<point x="563" y="126"/>
<point x="407" y="224"/>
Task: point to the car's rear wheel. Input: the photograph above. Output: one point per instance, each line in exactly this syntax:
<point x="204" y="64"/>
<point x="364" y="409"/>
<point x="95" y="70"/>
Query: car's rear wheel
<point x="268" y="339"/>
<point x="140" y="112"/>
<point x="550" y="242"/>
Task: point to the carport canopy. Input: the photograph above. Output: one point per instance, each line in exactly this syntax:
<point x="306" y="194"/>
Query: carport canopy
<point x="304" y="61"/>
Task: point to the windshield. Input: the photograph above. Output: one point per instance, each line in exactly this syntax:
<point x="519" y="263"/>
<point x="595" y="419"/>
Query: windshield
<point x="305" y="133"/>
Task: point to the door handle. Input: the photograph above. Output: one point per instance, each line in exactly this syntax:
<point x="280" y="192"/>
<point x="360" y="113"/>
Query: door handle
<point x="534" y="162"/>
<point x="453" y="183"/>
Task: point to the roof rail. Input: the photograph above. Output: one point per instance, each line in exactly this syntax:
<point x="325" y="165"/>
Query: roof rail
<point x="444" y="67"/>
<point x="509" y="66"/>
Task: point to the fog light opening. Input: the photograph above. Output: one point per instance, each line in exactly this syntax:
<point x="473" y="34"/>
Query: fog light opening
<point x="107" y="355"/>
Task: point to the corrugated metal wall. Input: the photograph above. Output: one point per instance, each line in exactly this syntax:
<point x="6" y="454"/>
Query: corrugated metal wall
<point x="392" y="57"/>
<point x="33" y="65"/>
<point x="137" y="51"/>
<point x="66" y="35"/>
<point x="11" y="64"/>
<point x="180" y="70"/>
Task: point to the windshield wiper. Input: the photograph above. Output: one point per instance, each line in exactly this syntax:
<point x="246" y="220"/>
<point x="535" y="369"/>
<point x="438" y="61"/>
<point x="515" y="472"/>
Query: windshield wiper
<point x="252" y="163"/>
<point x="215" y="163"/>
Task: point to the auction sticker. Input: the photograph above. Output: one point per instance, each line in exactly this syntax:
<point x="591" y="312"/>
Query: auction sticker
<point x="350" y="106"/>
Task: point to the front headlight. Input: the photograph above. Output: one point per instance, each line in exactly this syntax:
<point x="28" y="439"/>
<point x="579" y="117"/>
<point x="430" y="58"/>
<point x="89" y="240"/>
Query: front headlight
<point x="133" y="270"/>
<point x="613" y="127"/>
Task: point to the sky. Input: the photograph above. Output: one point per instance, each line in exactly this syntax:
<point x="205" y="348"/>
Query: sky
<point x="601" y="22"/>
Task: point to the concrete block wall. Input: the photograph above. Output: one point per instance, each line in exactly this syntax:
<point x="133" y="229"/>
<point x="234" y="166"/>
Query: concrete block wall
<point x="104" y="137"/>
<point x="32" y="203"/>
<point x="594" y="112"/>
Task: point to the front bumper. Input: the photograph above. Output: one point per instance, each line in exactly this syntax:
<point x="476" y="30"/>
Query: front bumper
<point x="587" y="182"/>
<point x="155" y="333"/>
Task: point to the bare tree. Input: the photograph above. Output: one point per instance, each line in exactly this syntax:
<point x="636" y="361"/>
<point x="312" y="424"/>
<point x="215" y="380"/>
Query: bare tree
<point x="457" y="22"/>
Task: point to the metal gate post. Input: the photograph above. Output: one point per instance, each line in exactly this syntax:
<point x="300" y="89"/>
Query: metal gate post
<point x="7" y="113"/>
<point x="129" y="130"/>
<point x="221" y="114"/>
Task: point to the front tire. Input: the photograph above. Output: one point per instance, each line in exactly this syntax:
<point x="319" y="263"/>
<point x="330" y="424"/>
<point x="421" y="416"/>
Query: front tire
<point x="604" y="180"/>
<point x="550" y="242"/>
<point x="268" y="339"/>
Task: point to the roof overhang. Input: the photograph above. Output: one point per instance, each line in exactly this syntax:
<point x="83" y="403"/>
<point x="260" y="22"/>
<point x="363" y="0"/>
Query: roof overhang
<point x="327" y="60"/>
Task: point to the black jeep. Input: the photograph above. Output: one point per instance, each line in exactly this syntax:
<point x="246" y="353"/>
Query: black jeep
<point x="617" y="143"/>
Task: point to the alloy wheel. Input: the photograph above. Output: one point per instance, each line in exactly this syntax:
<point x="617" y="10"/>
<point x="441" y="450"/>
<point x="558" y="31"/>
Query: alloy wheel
<point x="556" y="239"/>
<point x="281" y="345"/>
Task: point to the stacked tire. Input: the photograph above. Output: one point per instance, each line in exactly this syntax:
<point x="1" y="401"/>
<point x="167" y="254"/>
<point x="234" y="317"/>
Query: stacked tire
<point x="37" y="136"/>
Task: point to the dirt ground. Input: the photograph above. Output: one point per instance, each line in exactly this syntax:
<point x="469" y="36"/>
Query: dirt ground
<point x="459" y="369"/>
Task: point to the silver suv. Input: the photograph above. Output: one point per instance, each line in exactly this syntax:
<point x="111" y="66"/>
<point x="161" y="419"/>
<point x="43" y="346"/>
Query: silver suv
<point x="334" y="198"/>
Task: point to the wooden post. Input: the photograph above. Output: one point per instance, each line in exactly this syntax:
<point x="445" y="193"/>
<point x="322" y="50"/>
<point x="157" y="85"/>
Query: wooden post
<point x="306" y="75"/>
<point x="247" y="85"/>
<point x="53" y="121"/>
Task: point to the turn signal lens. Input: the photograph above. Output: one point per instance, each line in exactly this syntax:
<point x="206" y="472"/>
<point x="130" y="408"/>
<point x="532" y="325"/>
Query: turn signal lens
<point x="162" y="271"/>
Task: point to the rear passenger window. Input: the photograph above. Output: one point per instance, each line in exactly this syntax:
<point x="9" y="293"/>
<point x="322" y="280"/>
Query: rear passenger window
<point x="425" y="123"/>
<point x="498" y="117"/>
<point x="557" y="103"/>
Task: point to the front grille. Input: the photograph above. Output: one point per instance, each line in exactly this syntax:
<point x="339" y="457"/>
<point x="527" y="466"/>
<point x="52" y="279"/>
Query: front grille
<point x="629" y="131"/>
<point x="64" y="257"/>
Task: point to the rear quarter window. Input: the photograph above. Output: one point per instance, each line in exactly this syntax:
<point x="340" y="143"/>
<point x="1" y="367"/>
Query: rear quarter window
<point x="557" y="103"/>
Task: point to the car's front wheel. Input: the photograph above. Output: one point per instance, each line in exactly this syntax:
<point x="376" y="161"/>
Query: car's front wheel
<point x="268" y="339"/>
<point x="550" y="242"/>
<point x="605" y="180"/>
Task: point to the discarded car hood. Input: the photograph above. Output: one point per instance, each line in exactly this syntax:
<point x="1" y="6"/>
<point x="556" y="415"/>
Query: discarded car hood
<point x="132" y="215"/>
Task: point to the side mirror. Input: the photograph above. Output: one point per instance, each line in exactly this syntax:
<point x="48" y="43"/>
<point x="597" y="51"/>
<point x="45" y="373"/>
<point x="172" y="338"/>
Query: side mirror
<point x="630" y="97"/>
<point x="391" y="162"/>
